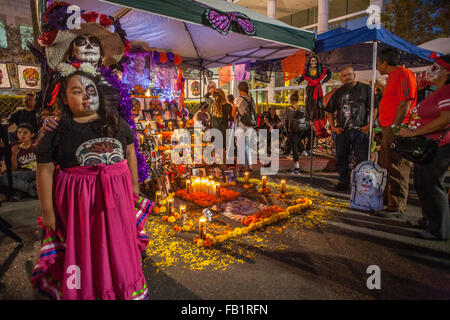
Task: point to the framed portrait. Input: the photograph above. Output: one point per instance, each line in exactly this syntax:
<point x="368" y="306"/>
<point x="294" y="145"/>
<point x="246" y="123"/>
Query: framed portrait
<point x="5" y="82"/>
<point x="136" y="74"/>
<point x="193" y="87"/>
<point x="199" y="172"/>
<point x="139" y="126"/>
<point x="29" y="76"/>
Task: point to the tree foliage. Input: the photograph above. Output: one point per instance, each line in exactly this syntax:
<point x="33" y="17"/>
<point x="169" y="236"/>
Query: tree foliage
<point x="417" y="21"/>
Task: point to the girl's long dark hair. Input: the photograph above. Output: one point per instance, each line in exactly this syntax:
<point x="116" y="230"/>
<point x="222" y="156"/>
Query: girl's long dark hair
<point x="107" y="123"/>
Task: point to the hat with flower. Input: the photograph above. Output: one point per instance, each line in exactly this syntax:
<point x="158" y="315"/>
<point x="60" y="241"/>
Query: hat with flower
<point x="57" y="36"/>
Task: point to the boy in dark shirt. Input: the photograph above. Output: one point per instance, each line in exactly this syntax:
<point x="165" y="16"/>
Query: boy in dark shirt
<point x="23" y="160"/>
<point x="26" y="115"/>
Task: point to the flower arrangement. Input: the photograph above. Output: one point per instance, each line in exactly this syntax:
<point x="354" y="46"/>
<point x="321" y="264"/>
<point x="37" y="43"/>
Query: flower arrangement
<point x="302" y="203"/>
<point x="283" y="196"/>
<point x="204" y="199"/>
<point x="265" y="190"/>
<point x="162" y="207"/>
<point x="268" y="216"/>
<point x="263" y="214"/>
<point x="66" y="69"/>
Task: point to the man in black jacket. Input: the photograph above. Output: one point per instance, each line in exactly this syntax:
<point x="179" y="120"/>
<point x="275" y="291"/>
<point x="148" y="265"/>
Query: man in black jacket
<point x="352" y="103"/>
<point x="26" y="115"/>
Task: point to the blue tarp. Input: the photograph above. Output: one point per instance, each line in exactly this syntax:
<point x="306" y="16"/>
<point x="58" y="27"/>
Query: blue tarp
<point x="341" y="46"/>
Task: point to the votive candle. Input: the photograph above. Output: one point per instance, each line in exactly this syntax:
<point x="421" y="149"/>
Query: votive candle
<point x="188" y="186"/>
<point x="202" y="227"/>
<point x="183" y="213"/>
<point x="283" y="186"/>
<point x="158" y="196"/>
<point x="171" y="205"/>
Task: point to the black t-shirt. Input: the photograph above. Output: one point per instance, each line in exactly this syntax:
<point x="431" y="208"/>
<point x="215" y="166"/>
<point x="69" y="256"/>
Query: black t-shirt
<point x="26" y="116"/>
<point x="81" y="145"/>
<point x="272" y="120"/>
<point x="352" y="104"/>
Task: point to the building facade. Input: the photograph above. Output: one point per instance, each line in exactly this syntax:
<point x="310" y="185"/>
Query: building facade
<point x="16" y="30"/>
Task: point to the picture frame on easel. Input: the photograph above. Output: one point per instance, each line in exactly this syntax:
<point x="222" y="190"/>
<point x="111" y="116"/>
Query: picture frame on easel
<point x="5" y="80"/>
<point x="29" y="76"/>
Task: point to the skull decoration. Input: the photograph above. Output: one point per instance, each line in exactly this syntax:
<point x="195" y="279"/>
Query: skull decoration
<point x="434" y="71"/>
<point x="91" y="99"/>
<point x="86" y="48"/>
<point x="313" y="62"/>
<point x="368" y="182"/>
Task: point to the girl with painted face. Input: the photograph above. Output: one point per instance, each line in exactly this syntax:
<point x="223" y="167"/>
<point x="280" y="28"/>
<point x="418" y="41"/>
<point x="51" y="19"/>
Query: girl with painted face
<point x="93" y="243"/>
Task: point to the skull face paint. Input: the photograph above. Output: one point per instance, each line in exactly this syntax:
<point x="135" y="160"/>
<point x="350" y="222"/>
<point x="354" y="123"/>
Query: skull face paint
<point x="86" y="49"/>
<point x="91" y="100"/>
<point x="434" y="71"/>
<point x="313" y="63"/>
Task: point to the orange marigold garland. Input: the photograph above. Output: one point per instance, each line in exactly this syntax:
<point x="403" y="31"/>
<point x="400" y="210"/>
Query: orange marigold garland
<point x="206" y="200"/>
<point x="271" y="215"/>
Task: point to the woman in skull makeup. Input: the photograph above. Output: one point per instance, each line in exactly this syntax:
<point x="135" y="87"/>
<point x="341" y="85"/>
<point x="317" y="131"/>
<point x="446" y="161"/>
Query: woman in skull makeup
<point x="85" y="48"/>
<point x="94" y="240"/>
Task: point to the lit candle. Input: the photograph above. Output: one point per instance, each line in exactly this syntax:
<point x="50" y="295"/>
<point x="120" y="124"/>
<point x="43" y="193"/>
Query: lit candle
<point x="183" y="213"/>
<point x="210" y="177"/>
<point x="210" y="187"/>
<point x="202" y="227"/>
<point x="197" y="185"/>
<point x="160" y="139"/>
<point x="188" y="186"/>
<point x="264" y="181"/>
<point x="283" y="186"/>
<point x="169" y="125"/>
<point x="218" y="190"/>
<point x="158" y="196"/>
<point x="180" y="124"/>
<point x="171" y="206"/>
<point x="214" y="188"/>
<point x="203" y="185"/>
<point x="246" y="175"/>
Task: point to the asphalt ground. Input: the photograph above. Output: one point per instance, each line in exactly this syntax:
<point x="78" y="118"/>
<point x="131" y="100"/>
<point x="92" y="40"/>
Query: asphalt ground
<point x="287" y="261"/>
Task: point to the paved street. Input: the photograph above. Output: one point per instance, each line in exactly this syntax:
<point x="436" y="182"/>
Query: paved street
<point x="328" y="262"/>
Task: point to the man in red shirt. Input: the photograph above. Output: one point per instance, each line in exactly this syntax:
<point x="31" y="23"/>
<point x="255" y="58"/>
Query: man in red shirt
<point x="399" y="97"/>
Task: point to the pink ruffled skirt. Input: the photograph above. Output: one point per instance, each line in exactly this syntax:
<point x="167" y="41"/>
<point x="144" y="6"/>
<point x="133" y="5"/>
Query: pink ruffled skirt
<point x="95" y="252"/>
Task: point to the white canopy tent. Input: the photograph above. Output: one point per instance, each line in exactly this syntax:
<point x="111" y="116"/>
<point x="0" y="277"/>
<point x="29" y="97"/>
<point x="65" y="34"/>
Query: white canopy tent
<point x="179" y="26"/>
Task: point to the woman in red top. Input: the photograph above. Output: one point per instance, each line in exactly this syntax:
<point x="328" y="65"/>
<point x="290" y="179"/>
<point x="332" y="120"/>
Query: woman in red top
<point x="432" y="118"/>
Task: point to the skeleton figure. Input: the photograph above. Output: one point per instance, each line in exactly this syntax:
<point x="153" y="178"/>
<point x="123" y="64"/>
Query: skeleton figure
<point x="86" y="48"/>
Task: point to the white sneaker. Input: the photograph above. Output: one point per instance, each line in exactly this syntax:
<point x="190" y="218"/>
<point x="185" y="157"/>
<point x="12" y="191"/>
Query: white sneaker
<point x="304" y="153"/>
<point x="295" y="171"/>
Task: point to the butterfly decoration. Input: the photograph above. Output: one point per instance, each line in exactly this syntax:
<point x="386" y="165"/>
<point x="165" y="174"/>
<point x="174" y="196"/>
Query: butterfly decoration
<point x="222" y="21"/>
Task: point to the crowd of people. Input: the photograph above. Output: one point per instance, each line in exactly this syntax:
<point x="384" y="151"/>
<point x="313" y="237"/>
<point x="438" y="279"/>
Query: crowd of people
<point x="72" y="163"/>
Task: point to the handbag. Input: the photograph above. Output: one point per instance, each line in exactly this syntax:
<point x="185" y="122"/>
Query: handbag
<point x="418" y="149"/>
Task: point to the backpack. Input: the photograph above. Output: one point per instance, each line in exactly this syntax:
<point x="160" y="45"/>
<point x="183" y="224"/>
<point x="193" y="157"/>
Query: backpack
<point x="249" y="118"/>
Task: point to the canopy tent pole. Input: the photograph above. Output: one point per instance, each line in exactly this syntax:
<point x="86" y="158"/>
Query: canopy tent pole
<point x="372" y="94"/>
<point x="311" y="141"/>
